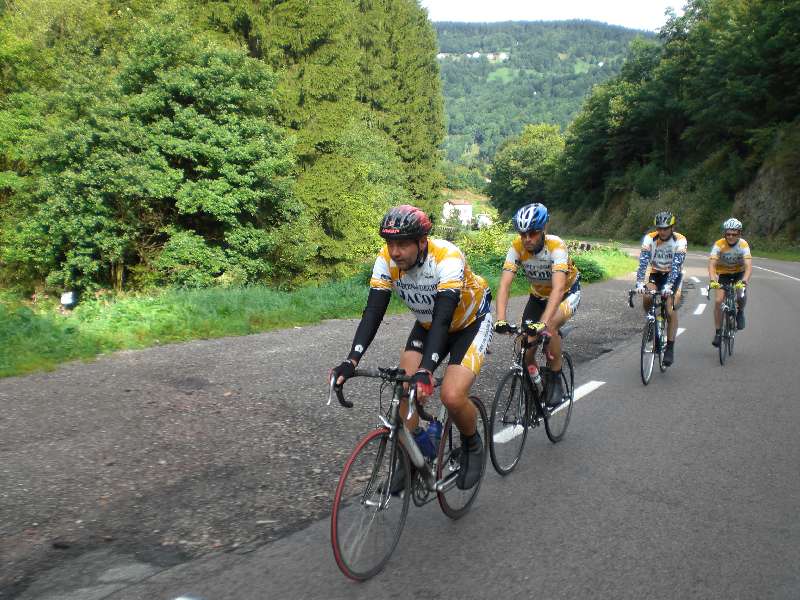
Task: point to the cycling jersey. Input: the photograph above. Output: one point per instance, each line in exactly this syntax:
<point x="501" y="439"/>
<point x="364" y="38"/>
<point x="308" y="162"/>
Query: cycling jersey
<point x="443" y="268"/>
<point x="730" y="259"/>
<point x="663" y="256"/>
<point x="539" y="267"/>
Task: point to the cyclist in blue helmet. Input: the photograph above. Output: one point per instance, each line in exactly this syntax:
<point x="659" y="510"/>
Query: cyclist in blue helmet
<point x="555" y="289"/>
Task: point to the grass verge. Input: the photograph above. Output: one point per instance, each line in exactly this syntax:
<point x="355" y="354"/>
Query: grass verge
<point x="38" y="337"/>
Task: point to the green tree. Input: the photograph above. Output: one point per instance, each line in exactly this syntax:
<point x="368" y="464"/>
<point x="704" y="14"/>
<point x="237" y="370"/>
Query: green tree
<point x="179" y="154"/>
<point x="524" y="167"/>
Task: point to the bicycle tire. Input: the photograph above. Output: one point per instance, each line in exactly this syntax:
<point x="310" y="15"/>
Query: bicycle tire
<point x="731" y="332"/>
<point x="453" y="501"/>
<point x="662" y="343"/>
<point x="366" y="523"/>
<point x="723" y="335"/>
<point x="509" y="428"/>
<point x="648" y="352"/>
<point x="556" y="421"/>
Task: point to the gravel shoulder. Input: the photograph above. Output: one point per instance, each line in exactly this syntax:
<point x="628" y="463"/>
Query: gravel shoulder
<point x="174" y="452"/>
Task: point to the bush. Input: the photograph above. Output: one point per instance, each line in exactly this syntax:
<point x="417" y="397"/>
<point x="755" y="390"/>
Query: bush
<point x="590" y="270"/>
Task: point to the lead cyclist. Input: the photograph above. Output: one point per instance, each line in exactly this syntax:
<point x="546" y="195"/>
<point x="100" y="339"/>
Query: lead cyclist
<point x="452" y="306"/>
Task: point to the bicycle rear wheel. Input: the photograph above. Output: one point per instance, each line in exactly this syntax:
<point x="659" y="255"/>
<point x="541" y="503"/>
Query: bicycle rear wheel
<point x="648" y="353"/>
<point x="367" y="520"/>
<point x="454" y="501"/>
<point x="556" y="420"/>
<point x="509" y="423"/>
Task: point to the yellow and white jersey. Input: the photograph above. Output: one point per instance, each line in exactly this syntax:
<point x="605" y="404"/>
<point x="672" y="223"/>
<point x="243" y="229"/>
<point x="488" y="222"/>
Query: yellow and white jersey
<point x="662" y="252"/>
<point x="539" y="268"/>
<point x="730" y="259"/>
<point x="444" y="268"/>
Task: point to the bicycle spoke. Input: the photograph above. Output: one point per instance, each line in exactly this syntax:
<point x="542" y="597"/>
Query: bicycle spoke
<point x="556" y="421"/>
<point x="367" y="521"/>
<point x="508" y="423"/>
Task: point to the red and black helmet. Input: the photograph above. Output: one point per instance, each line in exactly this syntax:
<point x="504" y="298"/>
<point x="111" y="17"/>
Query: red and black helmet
<point x="405" y="222"/>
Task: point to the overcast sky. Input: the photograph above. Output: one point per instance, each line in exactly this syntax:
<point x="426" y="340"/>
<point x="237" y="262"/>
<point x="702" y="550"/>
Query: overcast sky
<point x="636" y="14"/>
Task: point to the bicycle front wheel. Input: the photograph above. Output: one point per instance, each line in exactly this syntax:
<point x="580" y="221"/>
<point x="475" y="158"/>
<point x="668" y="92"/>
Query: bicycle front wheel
<point x="454" y="501"/>
<point x="367" y="519"/>
<point x="731" y="332"/>
<point x="723" y="335"/>
<point x="557" y="419"/>
<point x="662" y="343"/>
<point x="648" y="353"/>
<point x="509" y="423"/>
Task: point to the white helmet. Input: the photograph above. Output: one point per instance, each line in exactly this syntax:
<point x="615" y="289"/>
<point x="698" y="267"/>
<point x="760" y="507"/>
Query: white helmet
<point x="732" y="224"/>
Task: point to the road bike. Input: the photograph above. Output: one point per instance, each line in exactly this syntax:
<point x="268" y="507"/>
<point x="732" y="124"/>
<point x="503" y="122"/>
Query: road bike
<point x="368" y="515"/>
<point x="519" y="403"/>
<point x="654" y="334"/>
<point x="727" y="329"/>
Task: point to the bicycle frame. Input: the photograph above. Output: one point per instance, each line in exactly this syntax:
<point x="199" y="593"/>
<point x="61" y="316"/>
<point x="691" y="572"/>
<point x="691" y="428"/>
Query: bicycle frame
<point x="656" y="321"/>
<point x="394" y="422"/>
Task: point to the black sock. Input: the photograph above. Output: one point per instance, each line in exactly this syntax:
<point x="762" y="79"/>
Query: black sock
<point x="471" y="443"/>
<point x="717" y="331"/>
<point x="670" y="344"/>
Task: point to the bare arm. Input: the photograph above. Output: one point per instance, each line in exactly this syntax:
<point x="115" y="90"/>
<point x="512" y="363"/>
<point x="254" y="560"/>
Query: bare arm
<point x="506" y="277"/>
<point x="712" y="269"/>
<point x="559" y="282"/>
<point x="748" y="269"/>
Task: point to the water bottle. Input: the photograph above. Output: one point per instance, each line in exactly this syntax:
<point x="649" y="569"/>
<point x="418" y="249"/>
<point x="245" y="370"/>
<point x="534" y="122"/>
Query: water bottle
<point x="435" y="434"/>
<point x="424" y="443"/>
<point x="536" y="378"/>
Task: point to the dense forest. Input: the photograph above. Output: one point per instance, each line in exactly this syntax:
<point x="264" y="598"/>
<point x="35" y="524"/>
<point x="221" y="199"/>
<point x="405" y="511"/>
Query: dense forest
<point x="544" y="74"/>
<point x="690" y="121"/>
<point x="200" y="142"/>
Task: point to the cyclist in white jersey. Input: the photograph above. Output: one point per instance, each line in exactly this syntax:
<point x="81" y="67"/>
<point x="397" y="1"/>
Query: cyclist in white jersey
<point x="664" y="250"/>
<point x="730" y="262"/>
<point x="453" y="310"/>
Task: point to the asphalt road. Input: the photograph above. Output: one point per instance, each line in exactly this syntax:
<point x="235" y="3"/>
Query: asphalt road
<point x="687" y="488"/>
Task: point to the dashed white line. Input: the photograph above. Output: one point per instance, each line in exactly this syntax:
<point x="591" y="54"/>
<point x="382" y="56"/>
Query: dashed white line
<point x="695" y="279"/>
<point x="680" y="330"/>
<point x="582" y="390"/>
<point x="587" y="388"/>
<point x="776" y="272"/>
<point x="700" y="308"/>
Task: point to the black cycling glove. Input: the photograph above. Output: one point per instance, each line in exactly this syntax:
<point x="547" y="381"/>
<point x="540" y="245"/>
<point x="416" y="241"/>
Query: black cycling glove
<point x="346" y="370"/>
<point x="503" y="327"/>
<point x="423" y="380"/>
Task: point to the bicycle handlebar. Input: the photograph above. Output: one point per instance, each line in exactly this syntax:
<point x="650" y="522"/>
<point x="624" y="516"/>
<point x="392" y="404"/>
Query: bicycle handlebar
<point x="647" y="292"/>
<point x="392" y="375"/>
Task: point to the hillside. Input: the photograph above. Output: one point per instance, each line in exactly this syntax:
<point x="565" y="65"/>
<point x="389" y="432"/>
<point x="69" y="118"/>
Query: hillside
<point x="704" y="122"/>
<point x="497" y="77"/>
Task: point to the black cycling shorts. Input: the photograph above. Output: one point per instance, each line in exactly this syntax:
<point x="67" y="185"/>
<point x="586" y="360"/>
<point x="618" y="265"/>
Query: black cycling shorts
<point x="466" y="347"/>
<point x="660" y="280"/>
<point x="536" y="305"/>
<point x="730" y="277"/>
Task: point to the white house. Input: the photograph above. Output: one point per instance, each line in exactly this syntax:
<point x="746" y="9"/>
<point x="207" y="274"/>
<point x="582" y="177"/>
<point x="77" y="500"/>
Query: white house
<point x="463" y="208"/>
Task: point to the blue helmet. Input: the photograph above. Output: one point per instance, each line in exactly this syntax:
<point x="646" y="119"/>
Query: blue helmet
<point x="531" y="217"/>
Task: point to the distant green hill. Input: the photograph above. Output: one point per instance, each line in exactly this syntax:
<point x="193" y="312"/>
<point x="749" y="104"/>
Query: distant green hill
<point x="519" y="73"/>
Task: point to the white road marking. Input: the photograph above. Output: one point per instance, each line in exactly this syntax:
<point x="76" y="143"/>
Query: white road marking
<point x="700" y="308"/>
<point x="695" y="279"/>
<point x="582" y="390"/>
<point x="587" y="388"/>
<point x="681" y="330"/>
<point x="776" y="272"/>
